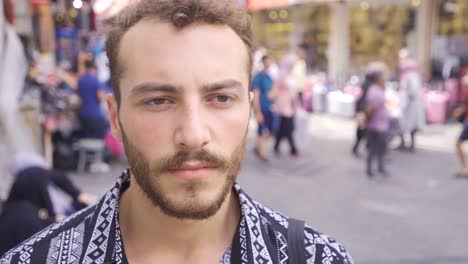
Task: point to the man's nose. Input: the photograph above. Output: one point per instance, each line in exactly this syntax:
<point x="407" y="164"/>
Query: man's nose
<point x="192" y="131"/>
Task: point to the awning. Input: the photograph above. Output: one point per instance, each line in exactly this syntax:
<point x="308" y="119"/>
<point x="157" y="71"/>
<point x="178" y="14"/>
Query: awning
<point x="266" y="4"/>
<point x="36" y="3"/>
<point x="39" y="2"/>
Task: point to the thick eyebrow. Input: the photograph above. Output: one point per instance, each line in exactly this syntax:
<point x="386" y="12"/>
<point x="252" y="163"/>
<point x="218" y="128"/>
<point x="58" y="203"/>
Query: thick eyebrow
<point x="232" y="84"/>
<point x="153" y="87"/>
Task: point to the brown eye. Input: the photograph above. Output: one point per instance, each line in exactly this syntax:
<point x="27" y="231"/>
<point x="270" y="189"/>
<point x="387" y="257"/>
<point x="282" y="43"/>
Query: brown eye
<point x="223" y="98"/>
<point x="157" y="101"/>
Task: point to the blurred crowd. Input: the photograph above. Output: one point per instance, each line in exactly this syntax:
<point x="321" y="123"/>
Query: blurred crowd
<point x="57" y="102"/>
<point x="70" y="98"/>
<point x="389" y="108"/>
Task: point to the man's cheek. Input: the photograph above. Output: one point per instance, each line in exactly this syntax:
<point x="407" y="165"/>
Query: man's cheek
<point x="146" y="133"/>
<point x="235" y="130"/>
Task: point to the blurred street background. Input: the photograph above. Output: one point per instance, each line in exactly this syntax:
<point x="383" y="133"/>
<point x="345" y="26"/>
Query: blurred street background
<point x="414" y="211"/>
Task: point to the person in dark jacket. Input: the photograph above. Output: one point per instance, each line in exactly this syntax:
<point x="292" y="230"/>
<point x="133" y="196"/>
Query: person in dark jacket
<point x="30" y="206"/>
<point x="369" y="79"/>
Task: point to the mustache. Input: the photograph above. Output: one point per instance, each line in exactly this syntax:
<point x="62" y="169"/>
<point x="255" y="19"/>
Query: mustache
<point x="176" y="161"/>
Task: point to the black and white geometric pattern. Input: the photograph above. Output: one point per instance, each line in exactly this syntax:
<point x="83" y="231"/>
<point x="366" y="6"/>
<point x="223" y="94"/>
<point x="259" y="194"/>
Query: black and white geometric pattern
<point x="93" y="236"/>
<point x="281" y="219"/>
<point x="22" y="253"/>
<point x="257" y="243"/>
<point x="97" y="248"/>
<point x="118" y="250"/>
<point x="67" y="246"/>
<point x="244" y="253"/>
<point x="282" y="245"/>
<point x="226" y="257"/>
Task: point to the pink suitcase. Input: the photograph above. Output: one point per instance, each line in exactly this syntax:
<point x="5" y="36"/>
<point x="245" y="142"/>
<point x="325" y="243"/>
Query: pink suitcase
<point x="452" y="88"/>
<point x="355" y="91"/>
<point x="436" y="107"/>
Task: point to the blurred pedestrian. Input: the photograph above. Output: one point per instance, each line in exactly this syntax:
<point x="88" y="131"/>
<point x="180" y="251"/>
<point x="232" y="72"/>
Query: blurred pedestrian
<point x="36" y="199"/>
<point x="19" y="220"/>
<point x="309" y="45"/>
<point x="299" y="71"/>
<point x="286" y="103"/>
<point x="361" y="113"/>
<point x="413" y="116"/>
<point x="92" y="120"/>
<point x="461" y="114"/>
<point x="378" y="121"/>
<point x="262" y="85"/>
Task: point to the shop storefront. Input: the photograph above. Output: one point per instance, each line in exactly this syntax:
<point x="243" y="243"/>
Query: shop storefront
<point x="378" y="32"/>
<point x="450" y="49"/>
<point x="282" y="30"/>
<point x="341" y="36"/>
<point x="347" y="35"/>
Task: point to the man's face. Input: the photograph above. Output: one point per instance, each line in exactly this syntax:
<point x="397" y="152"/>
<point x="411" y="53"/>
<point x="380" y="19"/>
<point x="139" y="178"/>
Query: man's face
<point x="267" y="62"/>
<point x="184" y="113"/>
<point x="383" y="78"/>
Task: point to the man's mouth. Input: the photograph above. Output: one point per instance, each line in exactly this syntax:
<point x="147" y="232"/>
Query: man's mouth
<point x="195" y="165"/>
<point x="192" y="170"/>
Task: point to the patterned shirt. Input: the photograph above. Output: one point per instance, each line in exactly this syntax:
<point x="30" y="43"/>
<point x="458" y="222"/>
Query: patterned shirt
<point x="93" y="236"/>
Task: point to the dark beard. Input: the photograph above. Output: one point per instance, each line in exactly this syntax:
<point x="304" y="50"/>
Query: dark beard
<point x="147" y="177"/>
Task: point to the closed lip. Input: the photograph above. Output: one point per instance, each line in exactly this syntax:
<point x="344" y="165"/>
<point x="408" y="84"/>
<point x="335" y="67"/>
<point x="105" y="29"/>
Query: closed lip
<point x="193" y="170"/>
<point x="189" y="166"/>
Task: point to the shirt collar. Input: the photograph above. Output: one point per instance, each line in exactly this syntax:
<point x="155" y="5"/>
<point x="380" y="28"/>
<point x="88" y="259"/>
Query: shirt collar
<point x="250" y="231"/>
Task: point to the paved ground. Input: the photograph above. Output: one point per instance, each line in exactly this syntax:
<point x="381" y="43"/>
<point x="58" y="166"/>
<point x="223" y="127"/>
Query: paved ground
<point x="418" y="215"/>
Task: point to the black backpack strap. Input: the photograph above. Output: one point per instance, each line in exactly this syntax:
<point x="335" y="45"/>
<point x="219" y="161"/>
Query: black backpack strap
<point x="296" y="247"/>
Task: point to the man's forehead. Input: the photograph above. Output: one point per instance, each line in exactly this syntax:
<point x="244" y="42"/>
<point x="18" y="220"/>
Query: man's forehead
<point x="158" y="49"/>
<point x="159" y="31"/>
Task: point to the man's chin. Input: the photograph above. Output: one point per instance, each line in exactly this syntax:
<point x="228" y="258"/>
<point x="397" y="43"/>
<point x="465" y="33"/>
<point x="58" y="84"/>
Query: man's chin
<point x="191" y="201"/>
<point x="191" y="209"/>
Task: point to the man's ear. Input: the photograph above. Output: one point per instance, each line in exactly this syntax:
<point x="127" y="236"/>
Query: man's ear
<point x="114" y="116"/>
<point x="251" y="97"/>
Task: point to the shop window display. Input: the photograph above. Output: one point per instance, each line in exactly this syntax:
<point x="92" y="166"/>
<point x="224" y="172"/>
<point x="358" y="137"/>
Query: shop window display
<point x="452" y="18"/>
<point x="316" y="37"/>
<point x="453" y="27"/>
<point x="450" y="51"/>
<point x="283" y="30"/>
<point x="378" y="33"/>
<point x="275" y="30"/>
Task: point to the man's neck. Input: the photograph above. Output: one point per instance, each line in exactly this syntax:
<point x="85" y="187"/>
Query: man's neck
<point x="150" y="236"/>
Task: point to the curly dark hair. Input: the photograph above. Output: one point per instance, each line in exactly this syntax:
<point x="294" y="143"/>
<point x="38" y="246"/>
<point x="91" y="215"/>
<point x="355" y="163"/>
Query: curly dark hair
<point x="179" y="13"/>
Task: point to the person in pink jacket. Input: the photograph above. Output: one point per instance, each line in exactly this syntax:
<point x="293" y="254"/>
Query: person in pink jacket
<point x="286" y="103"/>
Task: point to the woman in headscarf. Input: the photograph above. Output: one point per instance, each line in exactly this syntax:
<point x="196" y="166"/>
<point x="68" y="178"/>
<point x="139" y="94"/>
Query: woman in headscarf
<point x="286" y="103"/>
<point x="411" y="102"/>
<point x="27" y="210"/>
<point x="378" y="120"/>
<point x="369" y="79"/>
<point x="34" y="201"/>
